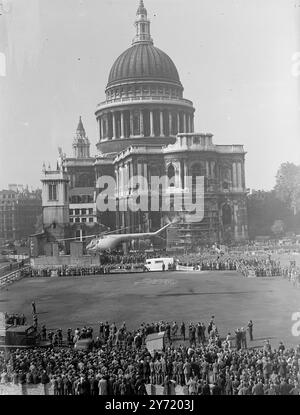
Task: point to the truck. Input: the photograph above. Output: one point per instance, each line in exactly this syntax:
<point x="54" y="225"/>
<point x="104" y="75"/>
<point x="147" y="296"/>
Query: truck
<point x="159" y="264"/>
<point x="21" y="336"/>
<point x="17" y="335"/>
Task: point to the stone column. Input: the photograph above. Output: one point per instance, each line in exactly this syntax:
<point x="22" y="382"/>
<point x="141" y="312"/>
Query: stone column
<point x="179" y="176"/>
<point x="139" y="170"/>
<point x="239" y="176"/>
<point x="178" y="123"/>
<point x="122" y="125"/>
<point x="234" y="176"/>
<point x="126" y="176"/>
<point x="141" y="123"/>
<point x="184" y="123"/>
<point x="124" y="179"/>
<point x="193" y="127"/>
<point x="243" y="176"/>
<point x="131" y="124"/>
<point x="207" y="169"/>
<point x="161" y="119"/>
<point x="190" y="123"/>
<point x="151" y="124"/>
<point x="117" y="180"/>
<point x="102" y="130"/>
<point x="107" y="123"/>
<point x="114" y="126"/>
<point x="170" y="123"/>
<point x="212" y="166"/>
<point x="187" y="117"/>
<point x="146" y="173"/>
<point x="120" y="181"/>
<point x="129" y="170"/>
<point x="186" y="172"/>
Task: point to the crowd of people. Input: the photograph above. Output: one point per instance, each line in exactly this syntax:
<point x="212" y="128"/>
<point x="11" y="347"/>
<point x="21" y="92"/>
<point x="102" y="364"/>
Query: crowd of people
<point x="110" y="262"/>
<point x="248" y="260"/>
<point x="259" y="266"/>
<point x="292" y="273"/>
<point x="194" y="357"/>
<point x="68" y="270"/>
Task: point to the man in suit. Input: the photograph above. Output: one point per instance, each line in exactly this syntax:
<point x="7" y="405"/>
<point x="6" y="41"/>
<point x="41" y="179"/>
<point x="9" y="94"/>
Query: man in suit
<point x="33" y="307"/>
<point x="205" y="388"/>
<point x="182" y="330"/>
<point x="258" y="388"/>
<point x="250" y="328"/>
<point x="102" y="385"/>
<point x="83" y="386"/>
<point x="140" y="387"/>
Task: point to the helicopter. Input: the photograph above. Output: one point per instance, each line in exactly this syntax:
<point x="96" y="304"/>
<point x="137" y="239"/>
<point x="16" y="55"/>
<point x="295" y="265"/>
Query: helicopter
<point x="109" y="241"/>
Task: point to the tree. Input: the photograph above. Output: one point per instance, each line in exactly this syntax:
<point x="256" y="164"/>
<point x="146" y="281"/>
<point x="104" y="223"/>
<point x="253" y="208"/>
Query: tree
<point x="278" y="228"/>
<point x="264" y="208"/>
<point x="287" y="186"/>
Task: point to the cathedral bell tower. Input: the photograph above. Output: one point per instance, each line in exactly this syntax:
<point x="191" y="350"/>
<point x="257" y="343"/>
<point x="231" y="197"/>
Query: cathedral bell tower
<point x="55" y="201"/>
<point x="81" y="143"/>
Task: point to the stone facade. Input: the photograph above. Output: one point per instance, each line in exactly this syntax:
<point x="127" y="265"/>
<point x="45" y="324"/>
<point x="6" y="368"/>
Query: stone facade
<point x="19" y="212"/>
<point x="146" y="128"/>
<point x="222" y="167"/>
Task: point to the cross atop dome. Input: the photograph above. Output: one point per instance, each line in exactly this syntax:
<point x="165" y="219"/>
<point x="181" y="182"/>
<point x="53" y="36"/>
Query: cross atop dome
<point x="141" y="10"/>
<point x="142" y="25"/>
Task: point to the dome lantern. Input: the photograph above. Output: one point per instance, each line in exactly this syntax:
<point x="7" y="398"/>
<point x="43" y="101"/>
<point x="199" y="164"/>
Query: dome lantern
<point x="142" y="25"/>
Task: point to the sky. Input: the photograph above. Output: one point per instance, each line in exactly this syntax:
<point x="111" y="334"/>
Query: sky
<point x="238" y="60"/>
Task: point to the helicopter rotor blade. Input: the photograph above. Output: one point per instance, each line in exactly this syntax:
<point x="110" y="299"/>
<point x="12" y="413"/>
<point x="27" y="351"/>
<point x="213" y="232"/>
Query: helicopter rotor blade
<point x="107" y="233"/>
<point x="78" y="237"/>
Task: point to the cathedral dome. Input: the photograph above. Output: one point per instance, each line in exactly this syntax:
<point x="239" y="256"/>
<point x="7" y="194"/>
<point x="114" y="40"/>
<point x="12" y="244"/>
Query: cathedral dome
<point x="143" y="62"/>
<point x="144" y="96"/>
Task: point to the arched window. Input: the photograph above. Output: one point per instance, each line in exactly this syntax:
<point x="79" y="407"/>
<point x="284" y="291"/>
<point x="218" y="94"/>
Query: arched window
<point x="171" y="174"/>
<point x="226" y="215"/>
<point x="226" y="175"/>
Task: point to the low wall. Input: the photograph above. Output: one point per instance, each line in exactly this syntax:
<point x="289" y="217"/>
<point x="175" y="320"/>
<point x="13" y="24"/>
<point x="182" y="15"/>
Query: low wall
<point x="52" y="261"/>
<point x="12" y="389"/>
<point x="12" y="277"/>
<point x="159" y="390"/>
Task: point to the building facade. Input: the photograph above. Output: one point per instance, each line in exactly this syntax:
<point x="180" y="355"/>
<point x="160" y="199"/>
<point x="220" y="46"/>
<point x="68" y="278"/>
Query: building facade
<point x="19" y="212"/>
<point x="146" y="128"/>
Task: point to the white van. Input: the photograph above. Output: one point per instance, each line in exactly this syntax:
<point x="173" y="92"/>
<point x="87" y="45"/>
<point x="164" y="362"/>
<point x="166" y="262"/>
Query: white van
<point x="159" y="264"/>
